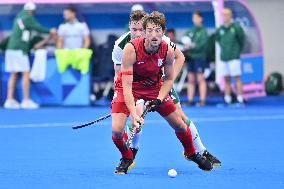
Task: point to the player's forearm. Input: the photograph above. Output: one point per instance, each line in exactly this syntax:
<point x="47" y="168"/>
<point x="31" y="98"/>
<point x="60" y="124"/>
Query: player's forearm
<point x="127" y="93"/>
<point x="41" y="43"/>
<point x="129" y="100"/>
<point x="165" y="89"/>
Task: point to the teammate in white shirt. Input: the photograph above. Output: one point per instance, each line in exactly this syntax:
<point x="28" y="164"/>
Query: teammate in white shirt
<point x="72" y="34"/>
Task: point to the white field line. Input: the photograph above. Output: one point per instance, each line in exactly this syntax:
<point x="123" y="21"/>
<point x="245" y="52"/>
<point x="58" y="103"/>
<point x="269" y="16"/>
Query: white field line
<point x="196" y="119"/>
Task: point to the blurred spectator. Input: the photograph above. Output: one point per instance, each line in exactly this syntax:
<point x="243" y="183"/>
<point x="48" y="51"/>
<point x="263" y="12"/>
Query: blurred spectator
<point x="171" y="33"/>
<point x="231" y="39"/>
<point x="72" y="34"/>
<point x="41" y="42"/>
<point x="16" y="56"/>
<point x="197" y="45"/>
<point x="73" y="43"/>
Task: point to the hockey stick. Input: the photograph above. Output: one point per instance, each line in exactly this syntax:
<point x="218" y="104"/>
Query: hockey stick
<point x="130" y="139"/>
<point x="93" y="122"/>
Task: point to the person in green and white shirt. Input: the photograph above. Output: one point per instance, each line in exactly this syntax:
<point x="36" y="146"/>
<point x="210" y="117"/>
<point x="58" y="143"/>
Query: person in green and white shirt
<point x="231" y="38"/>
<point x="197" y="59"/>
<point x="16" y="55"/>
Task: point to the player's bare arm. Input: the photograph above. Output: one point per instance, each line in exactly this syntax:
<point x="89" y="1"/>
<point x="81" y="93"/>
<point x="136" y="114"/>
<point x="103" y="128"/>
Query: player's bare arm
<point x="128" y="59"/>
<point x="59" y="43"/>
<point x="87" y="42"/>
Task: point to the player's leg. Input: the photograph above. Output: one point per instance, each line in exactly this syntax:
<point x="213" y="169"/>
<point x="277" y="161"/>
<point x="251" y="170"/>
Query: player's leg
<point x="235" y="70"/>
<point x="190" y="82"/>
<point x="227" y="91"/>
<point x="11" y="86"/>
<point x="190" y="87"/>
<point x="199" y="147"/>
<point x="27" y="102"/>
<point x="119" y="137"/>
<point x="168" y="110"/>
<point x="202" y="89"/>
<point x="200" y="65"/>
<point x="26" y="85"/>
<point x="195" y="136"/>
<point x="225" y="72"/>
<point x="10" y="101"/>
<point x="11" y="62"/>
<point x="239" y="88"/>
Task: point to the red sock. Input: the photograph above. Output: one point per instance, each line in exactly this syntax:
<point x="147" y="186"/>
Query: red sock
<point x="125" y="136"/>
<point x="121" y="145"/>
<point x="186" y="139"/>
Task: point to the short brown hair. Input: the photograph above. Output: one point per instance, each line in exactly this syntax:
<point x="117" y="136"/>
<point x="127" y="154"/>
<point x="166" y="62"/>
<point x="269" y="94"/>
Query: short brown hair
<point x="198" y="13"/>
<point x="136" y="16"/>
<point x="71" y="8"/>
<point x="156" y="18"/>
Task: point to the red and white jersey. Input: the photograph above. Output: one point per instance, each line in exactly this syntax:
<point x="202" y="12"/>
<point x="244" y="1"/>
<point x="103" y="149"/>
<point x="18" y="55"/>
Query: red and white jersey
<point x="147" y="70"/>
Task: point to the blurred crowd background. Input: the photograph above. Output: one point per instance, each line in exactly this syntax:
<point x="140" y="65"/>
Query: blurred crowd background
<point x="69" y="50"/>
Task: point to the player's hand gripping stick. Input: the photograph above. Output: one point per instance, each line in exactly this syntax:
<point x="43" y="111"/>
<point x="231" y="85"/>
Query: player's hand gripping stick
<point x="153" y="104"/>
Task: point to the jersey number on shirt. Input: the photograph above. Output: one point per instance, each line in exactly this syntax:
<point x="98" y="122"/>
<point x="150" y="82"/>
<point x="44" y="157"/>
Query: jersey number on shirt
<point x="173" y="46"/>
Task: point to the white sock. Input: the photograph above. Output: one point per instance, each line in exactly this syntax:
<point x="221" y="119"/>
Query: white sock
<point x="136" y="138"/>
<point x="228" y="99"/>
<point x="240" y="99"/>
<point x="199" y="147"/>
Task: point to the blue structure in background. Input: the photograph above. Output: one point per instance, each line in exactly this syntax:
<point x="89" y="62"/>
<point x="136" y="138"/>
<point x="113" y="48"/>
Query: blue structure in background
<point x="252" y="69"/>
<point x="69" y="88"/>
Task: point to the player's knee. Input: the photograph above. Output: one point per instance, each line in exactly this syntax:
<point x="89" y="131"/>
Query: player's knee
<point x="180" y="126"/>
<point x="191" y="81"/>
<point x="227" y="79"/>
<point x="201" y="80"/>
<point x="117" y="134"/>
<point x="176" y="122"/>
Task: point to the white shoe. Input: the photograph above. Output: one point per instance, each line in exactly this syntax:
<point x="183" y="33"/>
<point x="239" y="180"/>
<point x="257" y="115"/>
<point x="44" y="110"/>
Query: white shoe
<point x="228" y="99"/>
<point x="240" y="99"/>
<point x="29" y="104"/>
<point x="11" y="104"/>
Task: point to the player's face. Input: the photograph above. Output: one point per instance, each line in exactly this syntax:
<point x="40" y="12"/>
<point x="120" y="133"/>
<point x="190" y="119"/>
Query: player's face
<point x="197" y="20"/>
<point x="68" y="15"/>
<point x="154" y="34"/>
<point x="136" y="29"/>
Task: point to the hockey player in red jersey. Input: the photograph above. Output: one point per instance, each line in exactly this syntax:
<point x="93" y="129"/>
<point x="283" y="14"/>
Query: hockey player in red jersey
<point x="141" y="78"/>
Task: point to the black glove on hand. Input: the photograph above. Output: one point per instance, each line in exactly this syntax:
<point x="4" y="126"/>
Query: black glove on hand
<point x="153" y="105"/>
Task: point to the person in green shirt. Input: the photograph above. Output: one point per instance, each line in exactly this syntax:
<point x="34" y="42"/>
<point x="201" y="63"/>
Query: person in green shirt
<point x="197" y="63"/>
<point x="16" y="55"/>
<point x="231" y="38"/>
